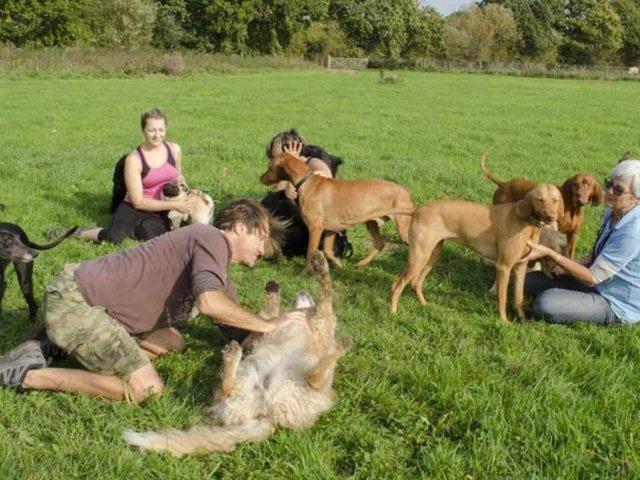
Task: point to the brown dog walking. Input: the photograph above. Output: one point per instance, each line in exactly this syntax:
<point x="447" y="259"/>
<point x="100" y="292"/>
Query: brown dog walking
<point x="332" y="205"/>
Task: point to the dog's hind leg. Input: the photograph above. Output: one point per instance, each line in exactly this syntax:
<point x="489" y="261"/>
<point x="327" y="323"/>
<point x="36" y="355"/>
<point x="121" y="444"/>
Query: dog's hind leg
<point x="323" y="320"/>
<point x="315" y="234"/>
<point x="24" y="272"/>
<point x="417" y="284"/>
<point x="419" y="256"/>
<point x="231" y="356"/>
<point x="328" y="247"/>
<point x="378" y="243"/>
<point x="320" y="377"/>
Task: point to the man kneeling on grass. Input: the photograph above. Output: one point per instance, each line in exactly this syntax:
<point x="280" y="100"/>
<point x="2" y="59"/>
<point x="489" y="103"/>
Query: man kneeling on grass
<point x="92" y="309"/>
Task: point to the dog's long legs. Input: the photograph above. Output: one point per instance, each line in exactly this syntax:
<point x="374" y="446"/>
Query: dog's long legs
<point x="520" y="270"/>
<point x="24" y="272"/>
<point x="503" y="272"/>
<point x="571" y="244"/>
<point x="378" y="243"/>
<point x="320" y="376"/>
<point x="328" y="247"/>
<point x="419" y="255"/>
<point x="231" y="356"/>
<point x="315" y="233"/>
<point x="417" y="284"/>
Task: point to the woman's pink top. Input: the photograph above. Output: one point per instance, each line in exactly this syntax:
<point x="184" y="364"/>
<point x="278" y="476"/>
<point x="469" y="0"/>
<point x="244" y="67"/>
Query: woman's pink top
<point x="153" y="179"/>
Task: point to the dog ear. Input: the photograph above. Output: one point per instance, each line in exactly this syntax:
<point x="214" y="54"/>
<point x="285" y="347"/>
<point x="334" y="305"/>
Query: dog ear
<point x="597" y="195"/>
<point x="567" y="187"/>
<point x="524" y="208"/>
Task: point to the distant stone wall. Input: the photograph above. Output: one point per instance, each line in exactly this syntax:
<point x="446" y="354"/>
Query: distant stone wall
<point x="343" y="63"/>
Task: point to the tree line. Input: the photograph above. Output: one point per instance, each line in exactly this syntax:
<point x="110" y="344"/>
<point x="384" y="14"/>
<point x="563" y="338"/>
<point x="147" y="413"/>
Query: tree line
<point x="550" y="31"/>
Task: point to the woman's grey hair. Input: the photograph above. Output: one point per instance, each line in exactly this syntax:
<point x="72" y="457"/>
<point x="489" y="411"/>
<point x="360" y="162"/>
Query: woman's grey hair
<point x="629" y="168"/>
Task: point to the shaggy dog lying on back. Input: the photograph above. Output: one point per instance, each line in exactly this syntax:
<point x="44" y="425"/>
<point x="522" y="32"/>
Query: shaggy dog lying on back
<point x="285" y="380"/>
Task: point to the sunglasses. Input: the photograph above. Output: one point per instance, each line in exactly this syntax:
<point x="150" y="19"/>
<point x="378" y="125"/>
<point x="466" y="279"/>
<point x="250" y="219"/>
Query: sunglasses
<point x="617" y="190"/>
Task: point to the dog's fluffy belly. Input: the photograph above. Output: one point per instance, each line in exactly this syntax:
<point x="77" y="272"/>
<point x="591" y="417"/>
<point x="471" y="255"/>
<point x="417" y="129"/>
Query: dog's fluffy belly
<point x="271" y="383"/>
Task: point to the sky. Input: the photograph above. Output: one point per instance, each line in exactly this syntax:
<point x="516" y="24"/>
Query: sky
<point x="445" y="7"/>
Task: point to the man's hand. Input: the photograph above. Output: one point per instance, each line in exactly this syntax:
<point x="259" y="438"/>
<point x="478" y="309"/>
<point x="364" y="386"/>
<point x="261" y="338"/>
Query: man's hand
<point x="285" y="319"/>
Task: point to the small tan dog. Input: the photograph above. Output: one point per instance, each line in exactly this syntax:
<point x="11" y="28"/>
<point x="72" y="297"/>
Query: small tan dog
<point x="498" y="232"/>
<point x="202" y="211"/>
<point x="284" y="381"/>
<point x="332" y="205"/>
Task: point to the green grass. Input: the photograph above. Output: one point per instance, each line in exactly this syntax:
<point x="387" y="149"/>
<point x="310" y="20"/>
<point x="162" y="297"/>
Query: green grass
<point x="441" y="391"/>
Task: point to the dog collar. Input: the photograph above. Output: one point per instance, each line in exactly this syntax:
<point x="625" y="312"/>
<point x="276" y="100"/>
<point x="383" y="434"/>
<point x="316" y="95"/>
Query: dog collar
<point x="306" y="177"/>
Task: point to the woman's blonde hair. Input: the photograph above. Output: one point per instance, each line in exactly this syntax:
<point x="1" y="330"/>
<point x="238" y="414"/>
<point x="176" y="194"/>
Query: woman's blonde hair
<point x="154" y="113"/>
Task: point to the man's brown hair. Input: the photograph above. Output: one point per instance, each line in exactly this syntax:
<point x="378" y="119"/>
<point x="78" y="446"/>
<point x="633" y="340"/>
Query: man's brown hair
<point x="246" y="211"/>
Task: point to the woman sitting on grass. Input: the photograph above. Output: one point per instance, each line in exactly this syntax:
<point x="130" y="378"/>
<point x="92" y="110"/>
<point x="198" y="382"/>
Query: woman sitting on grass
<point x="147" y="169"/>
<point x="604" y="289"/>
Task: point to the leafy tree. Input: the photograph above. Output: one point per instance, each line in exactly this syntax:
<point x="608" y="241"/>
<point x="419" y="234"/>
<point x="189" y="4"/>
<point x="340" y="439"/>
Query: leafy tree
<point x="485" y="34"/>
<point x="33" y="23"/>
<point x="538" y="23"/>
<point x="592" y="31"/>
<point x="629" y="12"/>
<point x="390" y="28"/>
<point x="274" y="23"/>
<point x="322" y="39"/>
<point x="169" y="30"/>
<point x="426" y="33"/>
<point x="122" y="23"/>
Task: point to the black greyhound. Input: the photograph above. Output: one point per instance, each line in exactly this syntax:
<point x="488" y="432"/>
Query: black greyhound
<point x="16" y="248"/>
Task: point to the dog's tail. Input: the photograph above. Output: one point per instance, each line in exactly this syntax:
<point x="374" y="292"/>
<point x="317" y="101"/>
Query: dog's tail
<point x="201" y="438"/>
<point x="68" y="233"/>
<point x="486" y="173"/>
<point x="383" y="213"/>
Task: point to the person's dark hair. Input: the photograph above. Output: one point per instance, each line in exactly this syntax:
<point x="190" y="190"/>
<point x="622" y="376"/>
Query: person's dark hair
<point x="243" y="210"/>
<point x="154" y="113"/>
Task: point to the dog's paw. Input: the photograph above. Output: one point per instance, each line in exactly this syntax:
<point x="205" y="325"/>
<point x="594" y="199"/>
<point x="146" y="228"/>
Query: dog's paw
<point x="231" y="351"/>
<point x="272" y="287"/>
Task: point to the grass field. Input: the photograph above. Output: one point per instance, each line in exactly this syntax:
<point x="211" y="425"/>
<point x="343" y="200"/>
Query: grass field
<point x="441" y="391"/>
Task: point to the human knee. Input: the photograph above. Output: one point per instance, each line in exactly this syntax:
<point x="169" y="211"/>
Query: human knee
<point x="111" y="235"/>
<point x="151" y="228"/>
<point x="546" y="306"/>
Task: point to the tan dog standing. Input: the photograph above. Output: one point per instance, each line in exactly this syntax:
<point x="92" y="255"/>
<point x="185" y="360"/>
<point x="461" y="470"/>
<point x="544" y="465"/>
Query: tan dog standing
<point x="498" y="232"/>
<point x="202" y="211"/>
<point x="285" y="381"/>
<point x="331" y="204"/>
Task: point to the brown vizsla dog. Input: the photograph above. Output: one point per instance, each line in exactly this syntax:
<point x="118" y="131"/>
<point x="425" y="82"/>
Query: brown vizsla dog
<point x="331" y="204"/>
<point x="576" y="192"/>
<point x="498" y="232"/>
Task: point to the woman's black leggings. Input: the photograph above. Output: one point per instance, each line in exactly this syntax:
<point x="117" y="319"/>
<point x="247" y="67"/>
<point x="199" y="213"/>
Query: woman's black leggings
<point x="130" y="222"/>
